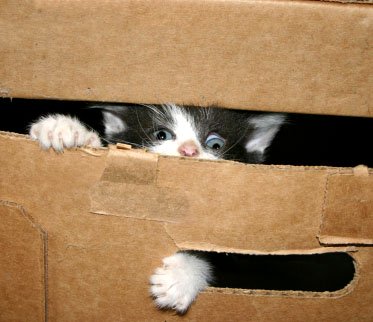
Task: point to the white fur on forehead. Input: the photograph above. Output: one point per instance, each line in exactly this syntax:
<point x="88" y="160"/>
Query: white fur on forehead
<point x="184" y="127"/>
<point x="177" y="113"/>
<point x="265" y="128"/>
<point x="181" y="124"/>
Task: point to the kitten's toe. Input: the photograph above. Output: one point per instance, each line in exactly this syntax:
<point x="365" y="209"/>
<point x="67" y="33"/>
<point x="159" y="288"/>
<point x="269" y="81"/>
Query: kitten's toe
<point x="92" y="139"/>
<point x="42" y="131"/>
<point x="68" y="133"/>
<point x="60" y="132"/>
<point x="178" y="282"/>
<point x="174" y="301"/>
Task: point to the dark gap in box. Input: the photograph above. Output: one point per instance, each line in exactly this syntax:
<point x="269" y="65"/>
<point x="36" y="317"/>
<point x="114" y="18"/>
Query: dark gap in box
<point x="326" y="272"/>
<point x="304" y="140"/>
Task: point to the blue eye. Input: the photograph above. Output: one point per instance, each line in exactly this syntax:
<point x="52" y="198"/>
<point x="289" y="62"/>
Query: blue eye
<point x="214" y="142"/>
<point x="163" y="135"/>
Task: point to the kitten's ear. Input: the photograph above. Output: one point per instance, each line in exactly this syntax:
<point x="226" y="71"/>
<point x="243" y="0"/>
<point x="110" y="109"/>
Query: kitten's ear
<point x="263" y="130"/>
<point x="113" y="118"/>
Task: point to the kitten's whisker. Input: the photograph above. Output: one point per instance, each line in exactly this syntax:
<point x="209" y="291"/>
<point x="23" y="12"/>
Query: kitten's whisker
<point x="159" y="113"/>
<point x="141" y="127"/>
<point x="233" y="145"/>
<point x="104" y="140"/>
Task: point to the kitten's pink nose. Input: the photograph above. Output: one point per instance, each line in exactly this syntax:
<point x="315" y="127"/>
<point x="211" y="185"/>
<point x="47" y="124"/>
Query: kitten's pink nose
<point x="188" y="149"/>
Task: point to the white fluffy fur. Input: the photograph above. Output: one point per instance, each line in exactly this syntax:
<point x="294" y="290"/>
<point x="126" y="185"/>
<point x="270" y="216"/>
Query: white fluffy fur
<point x="185" y="130"/>
<point x="265" y="129"/>
<point x="178" y="282"/>
<point x="112" y="123"/>
<point x="60" y="132"/>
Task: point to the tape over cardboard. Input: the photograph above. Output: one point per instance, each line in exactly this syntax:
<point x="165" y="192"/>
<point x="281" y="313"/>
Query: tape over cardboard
<point x="128" y="188"/>
<point x="137" y="166"/>
<point x="348" y="211"/>
<point x="191" y="196"/>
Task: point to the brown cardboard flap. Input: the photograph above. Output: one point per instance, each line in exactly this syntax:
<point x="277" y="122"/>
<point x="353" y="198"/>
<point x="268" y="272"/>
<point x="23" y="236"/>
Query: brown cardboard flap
<point x="227" y="205"/>
<point x="128" y="188"/>
<point x="130" y="166"/>
<point x="348" y="212"/>
<point x="223" y="203"/>
<point x="138" y="201"/>
<point x="22" y="266"/>
<point x="293" y="56"/>
<point x="99" y="266"/>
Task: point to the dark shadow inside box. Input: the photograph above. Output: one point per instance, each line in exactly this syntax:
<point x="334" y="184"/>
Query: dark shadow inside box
<point x="304" y="140"/>
<point x="328" y="272"/>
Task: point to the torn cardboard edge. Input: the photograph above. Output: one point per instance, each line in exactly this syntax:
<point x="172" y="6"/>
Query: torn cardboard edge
<point x="288" y="294"/>
<point x="361" y="171"/>
<point x="96" y="152"/>
<point x="13" y="135"/>
<point x="358" y="170"/>
<point x="205" y="247"/>
<point x="340" y="240"/>
<point x="120" y="150"/>
<point x="123" y="146"/>
<point x="348" y="1"/>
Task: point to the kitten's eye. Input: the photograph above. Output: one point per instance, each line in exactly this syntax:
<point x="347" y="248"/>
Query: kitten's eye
<point x="163" y="135"/>
<point x="214" y="142"/>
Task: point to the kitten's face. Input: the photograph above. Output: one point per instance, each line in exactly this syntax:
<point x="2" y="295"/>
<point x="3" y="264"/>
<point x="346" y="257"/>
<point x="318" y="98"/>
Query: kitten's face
<point x="206" y="133"/>
<point x="177" y="132"/>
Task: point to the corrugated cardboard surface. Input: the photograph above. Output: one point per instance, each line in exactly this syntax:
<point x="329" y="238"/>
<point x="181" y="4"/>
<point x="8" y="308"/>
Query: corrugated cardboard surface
<point x="23" y="291"/>
<point x="99" y="257"/>
<point x="295" y="56"/>
<point x="348" y="211"/>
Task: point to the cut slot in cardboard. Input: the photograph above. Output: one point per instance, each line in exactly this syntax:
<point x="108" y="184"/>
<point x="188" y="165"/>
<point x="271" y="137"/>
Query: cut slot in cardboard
<point x="317" y="273"/>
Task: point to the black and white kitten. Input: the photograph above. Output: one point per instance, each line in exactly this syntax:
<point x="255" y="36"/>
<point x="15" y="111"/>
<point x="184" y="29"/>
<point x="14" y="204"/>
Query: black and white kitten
<point x="206" y="133"/>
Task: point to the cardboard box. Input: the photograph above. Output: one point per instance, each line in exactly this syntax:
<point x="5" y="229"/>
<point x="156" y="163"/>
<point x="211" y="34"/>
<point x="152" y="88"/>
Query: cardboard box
<point x="293" y="56"/>
<point x="81" y="233"/>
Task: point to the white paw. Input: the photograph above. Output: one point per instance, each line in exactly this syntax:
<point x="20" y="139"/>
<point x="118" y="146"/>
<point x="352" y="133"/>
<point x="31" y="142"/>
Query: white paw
<point x="61" y="131"/>
<point x="178" y="282"/>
